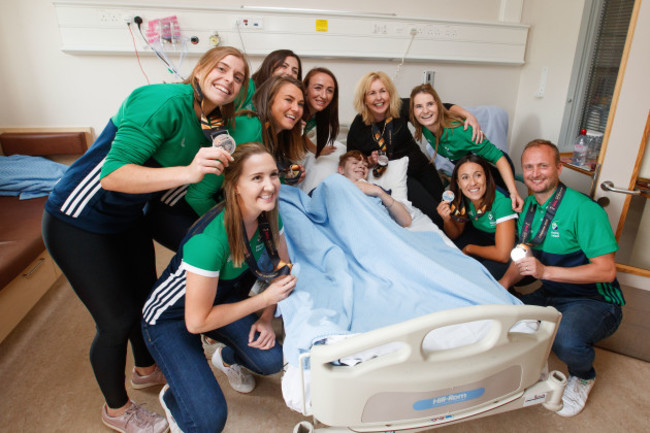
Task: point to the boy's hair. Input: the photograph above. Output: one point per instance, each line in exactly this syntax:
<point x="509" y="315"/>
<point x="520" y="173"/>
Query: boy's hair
<point x="351" y="154"/>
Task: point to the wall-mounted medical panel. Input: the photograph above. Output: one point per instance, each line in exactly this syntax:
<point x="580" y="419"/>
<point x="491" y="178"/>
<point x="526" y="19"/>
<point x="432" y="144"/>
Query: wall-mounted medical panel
<point x="101" y="28"/>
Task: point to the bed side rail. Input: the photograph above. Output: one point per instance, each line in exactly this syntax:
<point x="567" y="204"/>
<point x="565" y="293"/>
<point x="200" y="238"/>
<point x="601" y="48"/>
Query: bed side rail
<point x="412" y="386"/>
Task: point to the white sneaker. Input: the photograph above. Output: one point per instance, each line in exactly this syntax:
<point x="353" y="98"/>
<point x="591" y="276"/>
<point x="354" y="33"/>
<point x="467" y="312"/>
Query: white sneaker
<point x="241" y="380"/>
<point x="209" y="346"/>
<point x="575" y="396"/>
<point x="173" y="427"/>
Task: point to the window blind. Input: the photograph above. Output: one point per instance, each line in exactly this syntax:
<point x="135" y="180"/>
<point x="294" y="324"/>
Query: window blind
<point x="606" y="58"/>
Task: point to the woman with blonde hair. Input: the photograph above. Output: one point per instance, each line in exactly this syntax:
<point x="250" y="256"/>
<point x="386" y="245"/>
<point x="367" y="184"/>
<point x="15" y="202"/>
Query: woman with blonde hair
<point x="205" y="289"/>
<point x="380" y="131"/>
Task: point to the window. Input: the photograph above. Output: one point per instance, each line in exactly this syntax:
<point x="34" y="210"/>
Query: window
<point x="600" y="48"/>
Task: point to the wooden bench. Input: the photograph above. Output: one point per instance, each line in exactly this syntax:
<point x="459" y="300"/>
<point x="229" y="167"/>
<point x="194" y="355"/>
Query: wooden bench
<point x="26" y="269"/>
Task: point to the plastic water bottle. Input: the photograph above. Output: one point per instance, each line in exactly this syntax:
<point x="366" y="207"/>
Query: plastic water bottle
<point x="595" y="142"/>
<point x="580" y="149"/>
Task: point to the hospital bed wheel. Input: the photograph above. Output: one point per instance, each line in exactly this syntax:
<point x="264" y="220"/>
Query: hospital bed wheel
<point x="303" y="427"/>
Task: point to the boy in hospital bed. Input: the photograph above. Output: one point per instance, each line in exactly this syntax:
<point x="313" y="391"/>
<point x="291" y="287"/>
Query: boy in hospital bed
<point x="354" y="166"/>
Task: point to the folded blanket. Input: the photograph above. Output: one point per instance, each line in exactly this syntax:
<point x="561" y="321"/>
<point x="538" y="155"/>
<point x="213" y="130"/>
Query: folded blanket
<point x="28" y="176"/>
<point x="359" y="270"/>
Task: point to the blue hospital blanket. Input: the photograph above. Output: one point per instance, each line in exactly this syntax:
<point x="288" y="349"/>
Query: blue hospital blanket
<point x="359" y="270"/>
<point x="28" y="176"/>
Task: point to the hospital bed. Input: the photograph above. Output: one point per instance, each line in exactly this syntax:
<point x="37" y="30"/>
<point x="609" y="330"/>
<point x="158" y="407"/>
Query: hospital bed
<point x="467" y="358"/>
<point x="411" y="389"/>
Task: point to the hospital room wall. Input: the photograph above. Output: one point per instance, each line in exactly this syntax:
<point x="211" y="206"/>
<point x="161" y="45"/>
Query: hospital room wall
<point x="552" y="42"/>
<point x="43" y="86"/>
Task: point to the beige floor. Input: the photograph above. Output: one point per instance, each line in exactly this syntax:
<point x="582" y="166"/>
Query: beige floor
<point x="46" y="385"/>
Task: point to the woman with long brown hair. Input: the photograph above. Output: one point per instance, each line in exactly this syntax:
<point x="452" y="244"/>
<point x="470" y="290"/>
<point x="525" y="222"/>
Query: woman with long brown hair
<point x="277" y="63"/>
<point x="442" y="130"/>
<point x="321" y="114"/>
<point x="205" y="290"/>
<point x="275" y="122"/>
<point x="479" y="218"/>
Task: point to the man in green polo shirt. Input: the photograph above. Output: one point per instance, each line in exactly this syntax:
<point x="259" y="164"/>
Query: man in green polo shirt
<point x="573" y="255"/>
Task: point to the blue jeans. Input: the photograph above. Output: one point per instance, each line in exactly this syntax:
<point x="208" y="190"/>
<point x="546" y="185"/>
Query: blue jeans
<point x="194" y="398"/>
<point x="472" y="235"/>
<point x="584" y="323"/>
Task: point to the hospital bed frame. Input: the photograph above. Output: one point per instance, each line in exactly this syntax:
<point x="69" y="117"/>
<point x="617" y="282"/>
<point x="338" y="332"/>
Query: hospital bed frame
<point x="414" y="390"/>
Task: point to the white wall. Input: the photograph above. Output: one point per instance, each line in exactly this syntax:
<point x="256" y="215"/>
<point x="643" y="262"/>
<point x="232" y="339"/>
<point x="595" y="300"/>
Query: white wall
<point x="41" y="86"/>
<point x="552" y="41"/>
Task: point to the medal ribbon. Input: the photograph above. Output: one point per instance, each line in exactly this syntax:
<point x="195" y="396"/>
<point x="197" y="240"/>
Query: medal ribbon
<point x="279" y="267"/>
<point x="381" y="142"/>
<point x="460" y="214"/>
<point x="211" y="124"/>
<point x="546" y="221"/>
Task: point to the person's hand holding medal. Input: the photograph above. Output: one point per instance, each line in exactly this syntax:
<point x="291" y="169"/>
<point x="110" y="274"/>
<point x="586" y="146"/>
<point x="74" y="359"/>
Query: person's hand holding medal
<point x="519" y="252"/>
<point x="444" y="208"/>
<point x="526" y="263"/>
<point x="211" y="160"/>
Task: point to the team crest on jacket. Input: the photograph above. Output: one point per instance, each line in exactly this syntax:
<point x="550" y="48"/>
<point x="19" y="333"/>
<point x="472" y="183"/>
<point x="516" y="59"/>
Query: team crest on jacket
<point x="554" y="232"/>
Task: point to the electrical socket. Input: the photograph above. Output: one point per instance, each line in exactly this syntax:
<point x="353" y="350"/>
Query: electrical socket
<point x="110" y="16"/>
<point x="380" y="29"/>
<point x="541" y="88"/>
<point x="251" y="22"/>
<point x="428" y="77"/>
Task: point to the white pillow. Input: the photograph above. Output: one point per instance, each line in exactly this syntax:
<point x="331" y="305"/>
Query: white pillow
<point x="394" y="179"/>
<point x="317" y="169"/>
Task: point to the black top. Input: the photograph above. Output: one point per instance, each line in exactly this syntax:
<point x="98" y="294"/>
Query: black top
<point x="401" y="143"/>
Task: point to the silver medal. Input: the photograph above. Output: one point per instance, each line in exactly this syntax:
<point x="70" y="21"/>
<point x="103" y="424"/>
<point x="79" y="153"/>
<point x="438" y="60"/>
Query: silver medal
<point x="224" y="141"/>
<point x="448" y="196"/>
<point x="519" y="252"/>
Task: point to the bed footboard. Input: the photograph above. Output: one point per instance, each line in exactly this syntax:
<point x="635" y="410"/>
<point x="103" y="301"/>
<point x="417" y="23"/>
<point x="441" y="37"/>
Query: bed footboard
<point x="412" y="388"/>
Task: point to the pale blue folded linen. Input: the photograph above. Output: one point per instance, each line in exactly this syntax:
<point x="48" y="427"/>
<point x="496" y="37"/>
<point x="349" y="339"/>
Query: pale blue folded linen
<point x="28" y="176"/>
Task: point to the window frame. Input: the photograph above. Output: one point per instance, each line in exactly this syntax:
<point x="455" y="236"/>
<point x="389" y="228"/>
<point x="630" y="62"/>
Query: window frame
<point x="582" y="70"/>
<point x="582" y="65"/>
